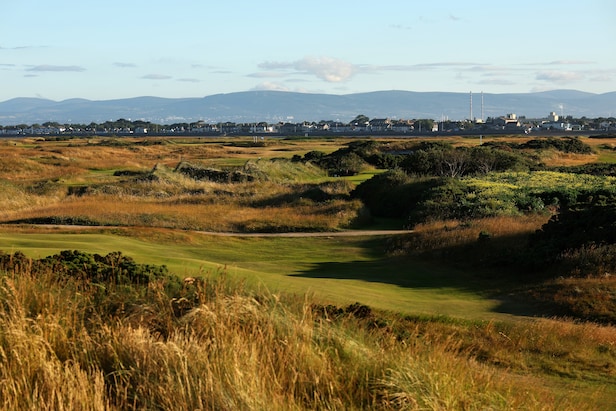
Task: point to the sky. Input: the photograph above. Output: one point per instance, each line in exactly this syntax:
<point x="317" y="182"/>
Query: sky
<point x="102" y="50"/>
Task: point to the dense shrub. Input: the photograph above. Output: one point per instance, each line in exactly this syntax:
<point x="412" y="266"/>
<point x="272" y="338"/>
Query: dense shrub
<point x="566" y="145"/>
<point x="576" y="227"/>
<point x="392" y="194"/>
<point x="112" y="268"/>
<point x="444" y="161"/>
<point x="211" y="174"/>
<point x="343" y="164"/>
<point x="576" y="242"/>
<point x="595" y="169"/>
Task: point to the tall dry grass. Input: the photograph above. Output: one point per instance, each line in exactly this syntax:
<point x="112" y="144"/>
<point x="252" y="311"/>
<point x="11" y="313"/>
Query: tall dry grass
<point x="437" y="236"/>
<point x="73" y="345"/>
<point x="172" y="200"/>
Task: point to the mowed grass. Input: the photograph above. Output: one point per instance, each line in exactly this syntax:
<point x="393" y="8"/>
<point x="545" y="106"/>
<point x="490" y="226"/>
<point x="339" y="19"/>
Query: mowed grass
<point x="337" y="270"/>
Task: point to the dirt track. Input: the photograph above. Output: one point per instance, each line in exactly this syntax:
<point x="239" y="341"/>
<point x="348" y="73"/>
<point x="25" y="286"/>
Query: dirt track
<point x="297" y="234"/>
<point x="350" y="233"/>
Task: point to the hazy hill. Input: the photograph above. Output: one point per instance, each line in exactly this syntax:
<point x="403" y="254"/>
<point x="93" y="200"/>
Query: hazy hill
<point x="274" y="106"/>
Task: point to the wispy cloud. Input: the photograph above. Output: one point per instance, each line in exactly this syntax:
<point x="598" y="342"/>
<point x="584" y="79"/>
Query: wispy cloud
<point x="124" y="65"/>
<point x="400" y="27"/>
<point x="428" y="66"/>
<point x="21" y="47"/>
<point x="569" y="62"/>
<point x="48" y="67"/>
<point x="561" y="77"/>
<point x="156" y="77"/>
<point x="189" y="80"/>
<point x="267" y="74"/>
<point x="559" y="63"/>
<point x="271" y="86"/>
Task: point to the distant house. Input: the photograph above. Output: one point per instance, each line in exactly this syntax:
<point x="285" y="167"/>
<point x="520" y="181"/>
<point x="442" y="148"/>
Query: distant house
<point x="380" y="125"/>
<point x="402" y="126"/>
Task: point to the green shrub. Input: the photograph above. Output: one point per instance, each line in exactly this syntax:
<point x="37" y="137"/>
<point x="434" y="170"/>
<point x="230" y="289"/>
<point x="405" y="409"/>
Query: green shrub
<point x="392" y="194"/>
<point x="112" y="268"/>
<point x="574" y="228"/>
<point x="566" y="145"/>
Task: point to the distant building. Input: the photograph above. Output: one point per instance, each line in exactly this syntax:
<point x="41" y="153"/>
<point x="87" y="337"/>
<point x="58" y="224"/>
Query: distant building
<point x="508" y="121"/>
<point x="555" y="125"/>
<point x="553" y="117"/>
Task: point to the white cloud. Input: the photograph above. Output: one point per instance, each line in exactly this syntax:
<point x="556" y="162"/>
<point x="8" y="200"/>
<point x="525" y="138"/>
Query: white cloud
<point x="330" y="69"/>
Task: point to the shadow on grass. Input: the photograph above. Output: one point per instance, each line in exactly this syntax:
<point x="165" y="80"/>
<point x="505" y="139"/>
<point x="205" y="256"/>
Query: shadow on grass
<point x="431" y="272"/>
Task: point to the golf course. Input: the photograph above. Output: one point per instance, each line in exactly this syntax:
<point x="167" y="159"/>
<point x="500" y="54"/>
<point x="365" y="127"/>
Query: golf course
<point x="308" y="273"/>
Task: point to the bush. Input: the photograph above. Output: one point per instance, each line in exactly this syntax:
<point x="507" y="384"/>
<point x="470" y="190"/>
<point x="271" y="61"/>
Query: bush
<point x="566" y="145"/>
<point x="595" y="169"/>
<point x="563" y="238"/>
<point x="112" y="268"/>
<point x="392" y="194"/>
<point x="211" y="174"/>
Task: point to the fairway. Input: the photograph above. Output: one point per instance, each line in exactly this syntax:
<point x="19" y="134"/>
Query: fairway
<point x="339" y="270"/>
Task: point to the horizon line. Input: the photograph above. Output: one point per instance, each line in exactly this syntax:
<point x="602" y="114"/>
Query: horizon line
<point x="304" y="92"/>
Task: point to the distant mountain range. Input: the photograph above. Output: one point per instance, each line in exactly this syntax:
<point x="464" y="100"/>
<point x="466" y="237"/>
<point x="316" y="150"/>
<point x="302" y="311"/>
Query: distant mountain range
<point x="275" y="106"/>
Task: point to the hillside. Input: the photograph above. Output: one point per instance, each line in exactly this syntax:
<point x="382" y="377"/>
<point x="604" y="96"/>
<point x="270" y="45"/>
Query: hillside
<point x="274" y="106"/>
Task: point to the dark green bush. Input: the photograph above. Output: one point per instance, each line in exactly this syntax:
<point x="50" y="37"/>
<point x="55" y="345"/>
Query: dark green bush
<point x="566" y="145"/>
<point x="595" y="169"/>
<point x="574" y="229"/>
<point x="112" y="268"/>
<point x="392" y="194"/>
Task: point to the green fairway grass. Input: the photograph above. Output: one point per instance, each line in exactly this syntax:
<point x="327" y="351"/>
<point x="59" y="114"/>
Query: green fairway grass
<point x="338" y="270"/>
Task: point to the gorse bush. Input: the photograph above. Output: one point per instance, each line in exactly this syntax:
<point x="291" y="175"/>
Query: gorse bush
<point x="444" y="161"/>
<point x="564" y="144"/>
<point x="582" y="239"/>
<point x="595" y="169"/>
<point x="113" y="267"/>
<point x="395" y="194"/>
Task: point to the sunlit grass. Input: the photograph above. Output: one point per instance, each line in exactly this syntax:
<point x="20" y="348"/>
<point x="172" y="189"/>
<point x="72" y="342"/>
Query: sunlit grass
<point x="67" y="345"/>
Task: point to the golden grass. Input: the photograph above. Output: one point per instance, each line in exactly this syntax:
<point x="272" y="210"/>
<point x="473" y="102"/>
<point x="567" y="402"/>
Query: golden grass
<point x="196" y="214"/>
<point x="436" y="235"/>
<point x="68" y="346"/>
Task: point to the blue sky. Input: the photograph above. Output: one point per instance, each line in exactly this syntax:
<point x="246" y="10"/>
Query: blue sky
<point x="110" y="49"/>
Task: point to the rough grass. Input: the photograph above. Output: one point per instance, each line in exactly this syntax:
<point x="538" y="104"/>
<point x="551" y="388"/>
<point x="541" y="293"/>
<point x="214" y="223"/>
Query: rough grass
<point x="69" y="346"/>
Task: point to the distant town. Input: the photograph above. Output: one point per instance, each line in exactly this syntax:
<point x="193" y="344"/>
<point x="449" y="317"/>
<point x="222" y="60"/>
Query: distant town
<point x="509" y="123"/>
